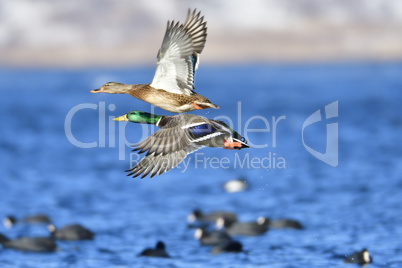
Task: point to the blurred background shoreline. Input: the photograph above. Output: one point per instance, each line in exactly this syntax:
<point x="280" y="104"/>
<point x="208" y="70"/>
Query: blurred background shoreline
<point x="122" y="33"/>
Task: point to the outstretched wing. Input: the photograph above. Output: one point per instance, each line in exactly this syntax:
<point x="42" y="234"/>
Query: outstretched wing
<point x="166" y="148"/>
<point x="178" y="56"/>
<point x="157" y="164"/>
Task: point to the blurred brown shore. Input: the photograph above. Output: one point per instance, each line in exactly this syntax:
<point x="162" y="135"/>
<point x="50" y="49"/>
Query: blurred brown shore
<point x="129" y="33"/>
<point x="255" y="47"/>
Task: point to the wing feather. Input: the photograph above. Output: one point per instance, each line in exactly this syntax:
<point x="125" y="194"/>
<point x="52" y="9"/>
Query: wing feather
<point x="177" y="137"/>
<point x="157" y="164"/>
<point x="178" y="55"/>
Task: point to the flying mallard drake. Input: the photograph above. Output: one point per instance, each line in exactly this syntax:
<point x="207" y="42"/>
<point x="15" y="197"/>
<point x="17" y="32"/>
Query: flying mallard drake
<point x="172" y="86"/>
<point x="178" y="136"/>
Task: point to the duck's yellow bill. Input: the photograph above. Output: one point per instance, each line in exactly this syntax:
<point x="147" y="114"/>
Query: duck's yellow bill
<point x="121" y="118"/>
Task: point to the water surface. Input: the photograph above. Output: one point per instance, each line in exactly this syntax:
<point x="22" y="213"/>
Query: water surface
<point x="344" y="208"/>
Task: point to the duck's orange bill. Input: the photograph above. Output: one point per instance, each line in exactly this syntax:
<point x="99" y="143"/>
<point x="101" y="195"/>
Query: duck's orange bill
<point x="231" y="145"/>
<point x="197" y="106"/>
<point x="97" y="90"/>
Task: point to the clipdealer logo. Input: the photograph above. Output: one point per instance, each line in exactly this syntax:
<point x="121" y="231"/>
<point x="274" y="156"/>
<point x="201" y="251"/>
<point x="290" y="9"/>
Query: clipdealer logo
<point x="331" y="154"/>
<point x="271" y="160"/>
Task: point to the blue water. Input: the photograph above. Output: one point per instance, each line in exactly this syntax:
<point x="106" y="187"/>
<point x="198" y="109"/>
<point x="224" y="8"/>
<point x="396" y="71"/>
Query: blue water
<point x="345" y="208"/>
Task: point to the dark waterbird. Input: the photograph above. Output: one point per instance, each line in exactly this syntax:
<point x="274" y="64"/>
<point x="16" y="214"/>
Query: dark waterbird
<point x="359" y="257"/>
<point x="34" y="244"/>
<point x="198" y="218"/>
<point x="10" y="220"/>
<point x="258" y="227"/>
<point x="211" y="238"/>
<point x="158" y="251"/>
<point x="285" y="223"/>
<point x="71" y="232"/>
<point x="227" y="246"/>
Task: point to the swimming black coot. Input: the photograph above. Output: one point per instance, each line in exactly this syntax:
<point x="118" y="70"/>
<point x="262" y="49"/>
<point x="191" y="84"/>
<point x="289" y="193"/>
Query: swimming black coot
<point x="211" y="238"/>
<point x="244" y="228"/>
<point x="34" y="244"/>
<point x="71" y="232"/>
<point x="158" y="251"/>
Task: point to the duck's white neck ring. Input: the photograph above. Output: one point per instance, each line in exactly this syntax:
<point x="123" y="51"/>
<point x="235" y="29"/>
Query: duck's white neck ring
<point x="157" y="123"/>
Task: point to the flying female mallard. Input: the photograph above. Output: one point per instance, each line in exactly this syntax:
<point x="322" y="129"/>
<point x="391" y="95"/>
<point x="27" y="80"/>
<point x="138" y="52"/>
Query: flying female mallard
<point x="172" y="86"/>
<point x="178" y="136"/>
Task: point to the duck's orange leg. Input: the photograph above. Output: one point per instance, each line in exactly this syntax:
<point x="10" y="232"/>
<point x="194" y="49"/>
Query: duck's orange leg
<point x="197" y="107"/>
<point x="231" y="145"/>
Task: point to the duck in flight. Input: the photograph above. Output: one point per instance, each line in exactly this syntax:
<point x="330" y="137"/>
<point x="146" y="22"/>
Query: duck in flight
<point x="172" y="87"/>
<point x="178" y="136"/>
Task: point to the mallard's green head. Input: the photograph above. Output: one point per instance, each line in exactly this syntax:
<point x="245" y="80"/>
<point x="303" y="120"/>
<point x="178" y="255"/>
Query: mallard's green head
<point x="139" y="117"/>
